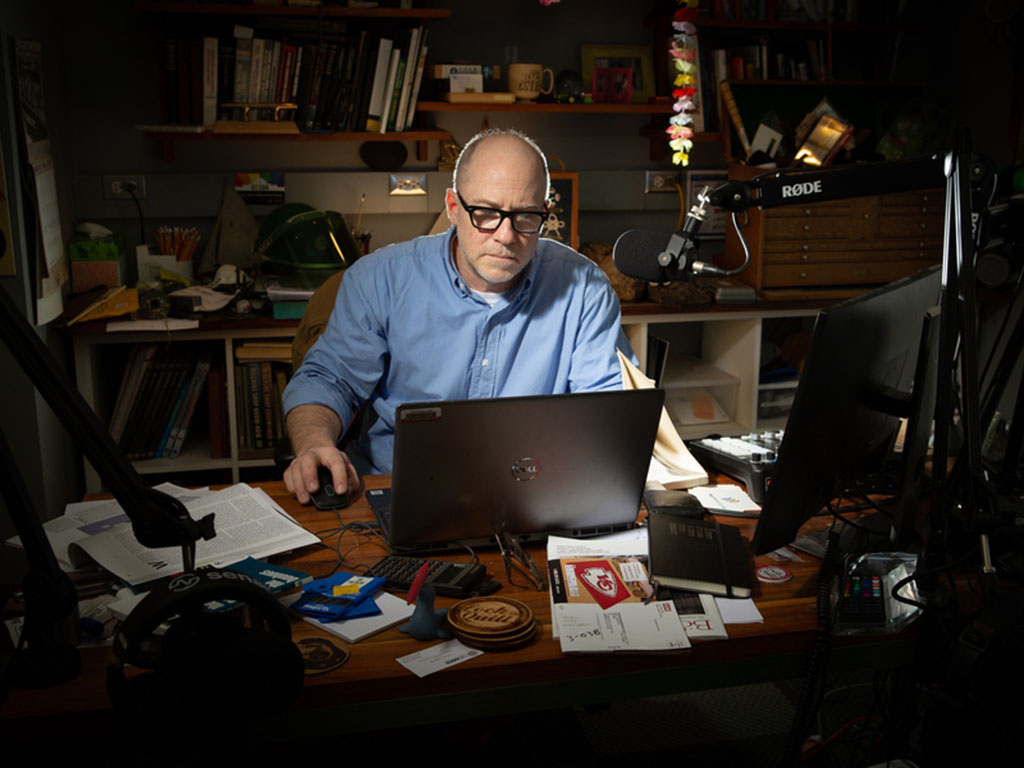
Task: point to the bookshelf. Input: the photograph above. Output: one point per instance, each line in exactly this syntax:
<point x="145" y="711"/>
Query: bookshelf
<point x="713" y="346"/>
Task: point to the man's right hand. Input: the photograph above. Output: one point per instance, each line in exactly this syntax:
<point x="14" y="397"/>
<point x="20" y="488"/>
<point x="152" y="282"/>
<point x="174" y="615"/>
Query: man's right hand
<point x="313" y="431"/>
<point x="300" y="476"/>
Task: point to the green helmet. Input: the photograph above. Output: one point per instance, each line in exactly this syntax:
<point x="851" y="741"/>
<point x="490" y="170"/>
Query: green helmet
<point x="304" y="246"/>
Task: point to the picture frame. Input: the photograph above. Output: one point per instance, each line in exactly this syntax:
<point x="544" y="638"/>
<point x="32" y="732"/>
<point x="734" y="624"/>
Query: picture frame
<point x="639" y="58"/>
<point x="612" y="85"/>
<point x="717" y="220"/>
<point x="563" y="209"/>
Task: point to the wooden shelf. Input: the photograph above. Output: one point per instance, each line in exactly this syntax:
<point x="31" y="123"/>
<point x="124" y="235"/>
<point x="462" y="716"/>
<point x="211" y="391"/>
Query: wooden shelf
<point x="421" y="138"/>
<point x="660" y="108"/>
<point x="322" y="11"/>
<point x="739" y="25"/>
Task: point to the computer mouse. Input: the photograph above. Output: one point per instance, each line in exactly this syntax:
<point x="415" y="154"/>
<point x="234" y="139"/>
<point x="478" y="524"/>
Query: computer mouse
<point x="678" y="503"/>
<point x="325" y="497"/>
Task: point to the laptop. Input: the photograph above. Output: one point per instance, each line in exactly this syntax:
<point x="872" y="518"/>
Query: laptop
<point x="572" y="465"/>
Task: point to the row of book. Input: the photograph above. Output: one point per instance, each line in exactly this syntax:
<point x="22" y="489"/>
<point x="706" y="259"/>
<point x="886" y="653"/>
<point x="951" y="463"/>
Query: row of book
<point x="781" y="10"/>
<point x="261" y="373"/>
<point x="160" y="387"/>
<point x="760" y="61"/>
<point x="356" y="81"/>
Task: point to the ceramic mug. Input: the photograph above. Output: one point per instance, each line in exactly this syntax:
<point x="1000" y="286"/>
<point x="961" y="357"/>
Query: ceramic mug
<point x="526" y="81"/>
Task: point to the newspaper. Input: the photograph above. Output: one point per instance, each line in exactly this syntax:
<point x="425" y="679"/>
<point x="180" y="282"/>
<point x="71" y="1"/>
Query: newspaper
<point x="247" y="521"/>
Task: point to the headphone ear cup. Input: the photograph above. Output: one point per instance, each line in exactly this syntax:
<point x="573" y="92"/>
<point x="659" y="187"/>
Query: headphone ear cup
<point x="206" y="663"/>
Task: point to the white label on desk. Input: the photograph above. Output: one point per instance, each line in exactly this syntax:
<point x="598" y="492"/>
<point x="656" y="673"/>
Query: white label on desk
<point x="437" y="657"/>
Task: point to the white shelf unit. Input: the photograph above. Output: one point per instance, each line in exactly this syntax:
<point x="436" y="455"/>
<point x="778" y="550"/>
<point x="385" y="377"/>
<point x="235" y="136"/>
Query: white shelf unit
<point x="728" y="343"/>
<point x="98" y="384"/>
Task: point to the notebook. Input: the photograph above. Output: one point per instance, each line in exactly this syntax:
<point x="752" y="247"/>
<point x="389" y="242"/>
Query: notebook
<point x="573" y="465"/>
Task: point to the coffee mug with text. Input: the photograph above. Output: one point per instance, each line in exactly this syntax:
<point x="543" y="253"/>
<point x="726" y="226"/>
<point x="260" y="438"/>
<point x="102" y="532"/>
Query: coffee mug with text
<point x="526" y="81"/>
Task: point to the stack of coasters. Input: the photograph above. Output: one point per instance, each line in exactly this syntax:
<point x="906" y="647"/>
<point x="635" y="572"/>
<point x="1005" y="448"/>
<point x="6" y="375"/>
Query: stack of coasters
<point x="492" y="623"/>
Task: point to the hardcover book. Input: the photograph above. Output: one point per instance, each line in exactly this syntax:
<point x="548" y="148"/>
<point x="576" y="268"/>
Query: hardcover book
<point x="698" y="555"/>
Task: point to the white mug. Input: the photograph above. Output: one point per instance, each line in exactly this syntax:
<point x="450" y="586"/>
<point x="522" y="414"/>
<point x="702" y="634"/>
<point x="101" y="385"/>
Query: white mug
<point x="526" y="81"/>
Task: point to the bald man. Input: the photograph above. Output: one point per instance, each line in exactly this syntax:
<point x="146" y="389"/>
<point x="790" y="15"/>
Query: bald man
<point x="487" y="309"/>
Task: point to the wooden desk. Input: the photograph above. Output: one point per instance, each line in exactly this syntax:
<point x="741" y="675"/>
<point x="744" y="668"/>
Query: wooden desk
<point x="372" y="690"/>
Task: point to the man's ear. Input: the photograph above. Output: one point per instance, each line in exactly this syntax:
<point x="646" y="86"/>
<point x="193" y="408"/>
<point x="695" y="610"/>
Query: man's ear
<point x="451" y="204"/>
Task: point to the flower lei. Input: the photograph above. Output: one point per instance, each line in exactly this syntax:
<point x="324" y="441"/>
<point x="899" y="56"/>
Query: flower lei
<point x="684" y="54"/>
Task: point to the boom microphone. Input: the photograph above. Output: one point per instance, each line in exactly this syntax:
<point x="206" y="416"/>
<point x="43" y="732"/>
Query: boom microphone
<point x="657" y="257"/>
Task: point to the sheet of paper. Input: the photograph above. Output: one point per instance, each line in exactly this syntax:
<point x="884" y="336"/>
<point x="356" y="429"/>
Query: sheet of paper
<point x="164" y="324"/>
<point x="623" y="544"/>
<point x="245" y="522"/>
<point x="738" y="611"/>
<point x="623" y="627"/>
<point x="727" y="498"/>
<point x="437" y="657"/>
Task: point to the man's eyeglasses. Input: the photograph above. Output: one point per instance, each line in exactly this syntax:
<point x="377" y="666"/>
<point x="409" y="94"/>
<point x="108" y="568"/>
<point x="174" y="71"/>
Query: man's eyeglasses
<point x="489" y="219"/>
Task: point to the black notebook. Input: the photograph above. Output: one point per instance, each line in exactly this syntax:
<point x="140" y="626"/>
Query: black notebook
<point x="698" y="555"/>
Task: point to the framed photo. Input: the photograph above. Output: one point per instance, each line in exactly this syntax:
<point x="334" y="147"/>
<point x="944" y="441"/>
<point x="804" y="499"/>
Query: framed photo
<point x="639" y="58"/>
<point x="563" y="209"/>
<point x="717" y="220"/>
<point x="612" y="85"/>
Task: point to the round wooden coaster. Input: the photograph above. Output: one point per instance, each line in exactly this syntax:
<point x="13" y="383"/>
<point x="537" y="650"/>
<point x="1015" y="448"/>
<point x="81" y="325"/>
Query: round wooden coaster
<point x="502" y="643"/>
<point x="490" y="616"/>
<point x="320" y="654"/>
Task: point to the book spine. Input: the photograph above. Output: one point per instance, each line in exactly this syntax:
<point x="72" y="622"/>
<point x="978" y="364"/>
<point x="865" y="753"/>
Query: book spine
<point x="252" y="373"/>
<point x="267" y="399"/>
<point x="729" y="102"/>
<point x="195" y="387"/>
<point x="243" y="65"/>
<point x="211" y="67"/>
<point x="395" y="95"/>
<point x="126" y="394"/>
<point x="256" y="69"/>
<point x="389" y="87"/>
<point x="417" y="84"/>
<point x="161" y="445"/>
<point x="412" y="56"/>
<point x="217" y="412"/>
<point x="380" y="76"/>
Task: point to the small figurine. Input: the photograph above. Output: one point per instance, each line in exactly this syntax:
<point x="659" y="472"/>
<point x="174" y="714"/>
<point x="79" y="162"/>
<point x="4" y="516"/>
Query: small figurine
<point x="425" y="623"/>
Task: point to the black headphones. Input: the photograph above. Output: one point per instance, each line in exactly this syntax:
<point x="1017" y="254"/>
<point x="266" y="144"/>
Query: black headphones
<point x="231" y="664"/>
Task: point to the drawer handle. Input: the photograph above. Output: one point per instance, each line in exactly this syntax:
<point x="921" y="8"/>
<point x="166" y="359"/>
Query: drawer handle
<point x="804" y="256"/>
<point x="807" y="227"/>
<point x="803" y="275"/>
<point x="807" y="211"/>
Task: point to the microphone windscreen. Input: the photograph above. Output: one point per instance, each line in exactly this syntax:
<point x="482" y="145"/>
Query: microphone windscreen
<point x="635" y="254"/>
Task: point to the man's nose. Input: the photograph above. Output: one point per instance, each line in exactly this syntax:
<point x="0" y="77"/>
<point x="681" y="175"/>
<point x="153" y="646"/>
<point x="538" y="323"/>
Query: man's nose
<point x="505" y="233"/>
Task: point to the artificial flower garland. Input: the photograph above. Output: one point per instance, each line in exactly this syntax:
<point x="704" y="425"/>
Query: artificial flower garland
<point x="684" y="54"/>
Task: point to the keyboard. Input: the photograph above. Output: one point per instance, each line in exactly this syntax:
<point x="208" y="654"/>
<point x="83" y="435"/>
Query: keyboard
<point x="451" y="579"/>
<point x="749" y="459"/>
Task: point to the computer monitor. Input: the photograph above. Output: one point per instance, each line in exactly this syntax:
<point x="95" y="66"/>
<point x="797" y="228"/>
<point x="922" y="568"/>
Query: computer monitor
<point x="861" y="373"/>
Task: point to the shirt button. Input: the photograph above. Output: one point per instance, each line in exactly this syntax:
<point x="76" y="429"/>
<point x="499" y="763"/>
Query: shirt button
<point x="484" y="361"/>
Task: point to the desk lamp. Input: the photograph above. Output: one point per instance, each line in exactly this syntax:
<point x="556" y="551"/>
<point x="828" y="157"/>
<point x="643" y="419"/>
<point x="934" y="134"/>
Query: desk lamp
<point x="158" y="520"/>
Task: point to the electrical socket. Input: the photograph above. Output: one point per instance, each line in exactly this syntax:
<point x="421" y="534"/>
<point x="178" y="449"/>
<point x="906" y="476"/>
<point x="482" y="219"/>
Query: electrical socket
<point x="121" y="186"/>
<point x="661" y="181"/>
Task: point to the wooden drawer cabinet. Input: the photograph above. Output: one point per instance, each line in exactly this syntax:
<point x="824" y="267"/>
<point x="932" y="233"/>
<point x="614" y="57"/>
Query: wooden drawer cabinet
<point x="837" y="248"/>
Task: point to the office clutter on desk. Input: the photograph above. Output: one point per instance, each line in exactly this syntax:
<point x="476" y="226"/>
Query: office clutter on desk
<point x="599" y="598"/>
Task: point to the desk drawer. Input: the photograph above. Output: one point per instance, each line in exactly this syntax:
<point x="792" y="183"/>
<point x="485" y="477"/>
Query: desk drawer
<point x="840" y="273"/>
<point x="828" y="253"/>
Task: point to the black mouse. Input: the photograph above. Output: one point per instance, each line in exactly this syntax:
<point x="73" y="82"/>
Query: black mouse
<point x="325" y="496"/>
<point x="678" y="503"/>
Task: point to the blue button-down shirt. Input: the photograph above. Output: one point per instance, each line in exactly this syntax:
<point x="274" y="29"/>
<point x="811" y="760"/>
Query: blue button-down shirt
<point x="406" y="328"/>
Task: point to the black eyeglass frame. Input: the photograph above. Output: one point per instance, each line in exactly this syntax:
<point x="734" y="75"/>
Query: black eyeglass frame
<point x="510" y="215"/>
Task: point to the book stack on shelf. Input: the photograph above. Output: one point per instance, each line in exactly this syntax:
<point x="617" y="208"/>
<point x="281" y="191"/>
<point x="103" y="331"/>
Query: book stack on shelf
<point x="345" y="81"/>
<point x="261" y="372"/>
<point x="157" y="400"/>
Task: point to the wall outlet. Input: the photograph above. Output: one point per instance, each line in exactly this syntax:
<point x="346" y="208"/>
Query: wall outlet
<point x="121" y="186"/>
<point x="661" y="181"/>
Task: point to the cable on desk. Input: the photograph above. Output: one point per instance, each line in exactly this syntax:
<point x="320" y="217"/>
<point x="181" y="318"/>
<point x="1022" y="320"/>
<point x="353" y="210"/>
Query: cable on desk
<point x="813" y="690"/>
